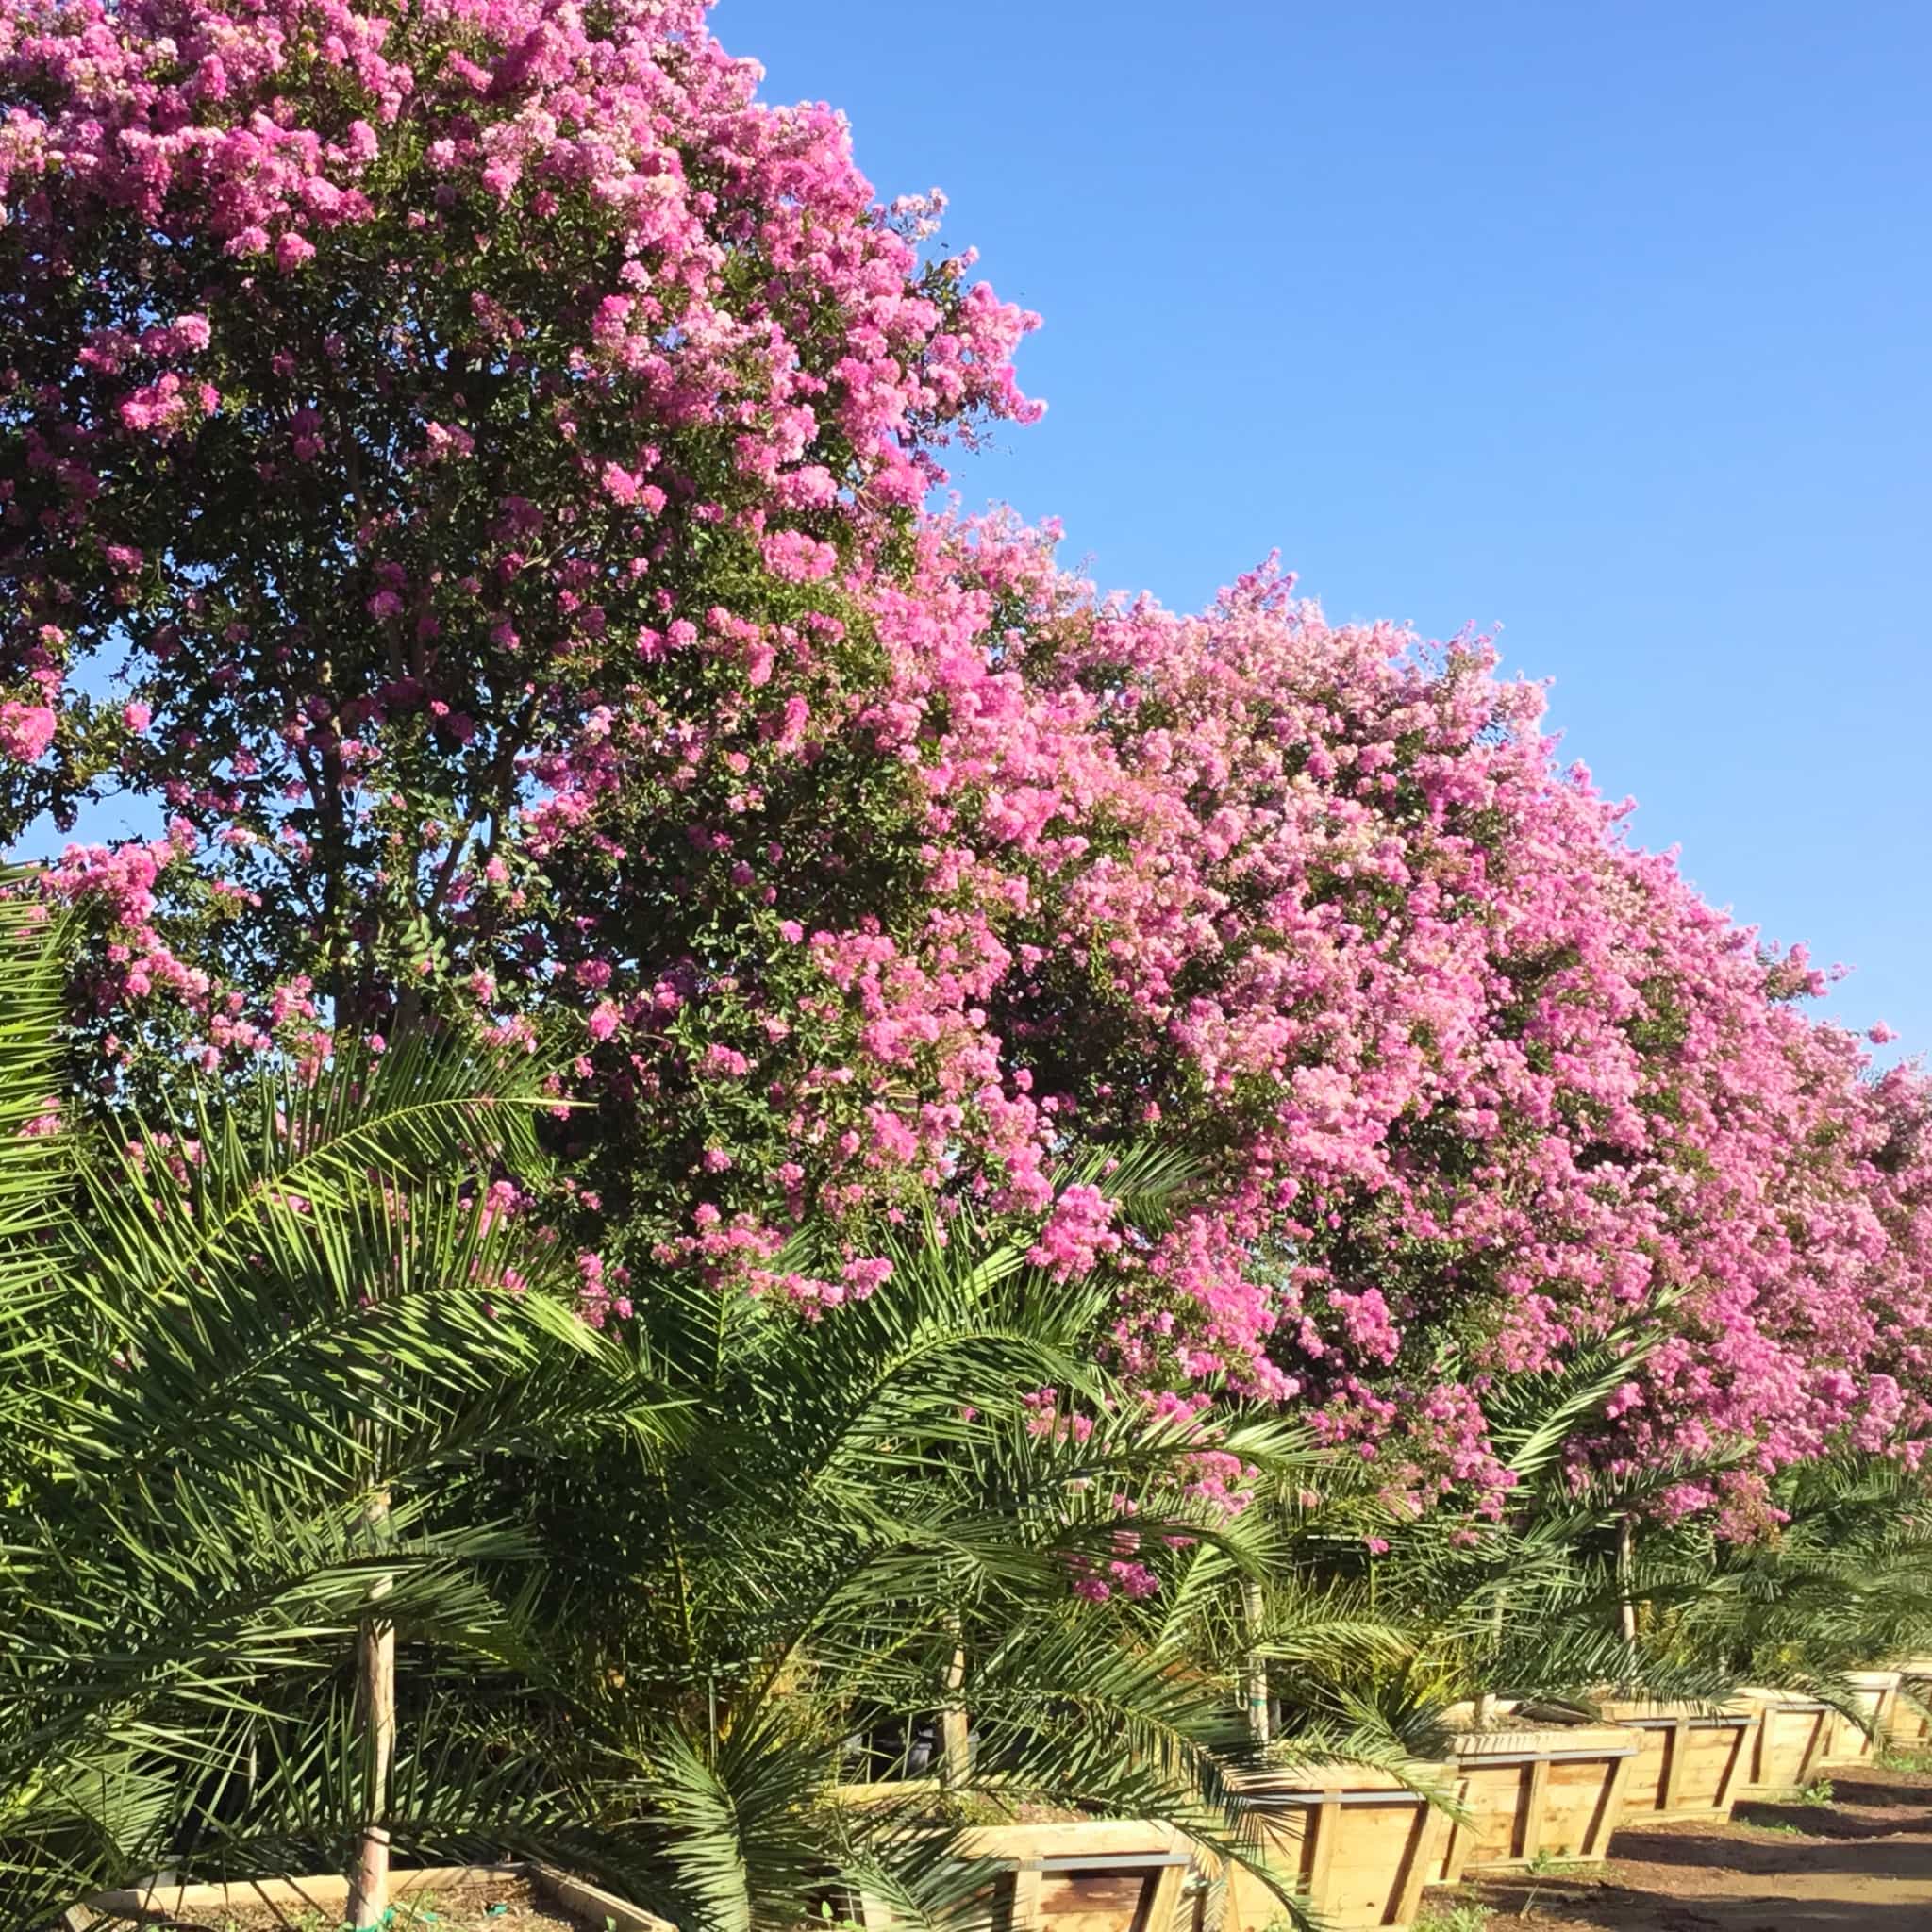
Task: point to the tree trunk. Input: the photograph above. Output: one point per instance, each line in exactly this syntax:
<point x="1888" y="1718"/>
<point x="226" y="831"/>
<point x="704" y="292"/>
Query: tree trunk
<point x="1255" y="1614"/>
<point x="376" y="1687"/>
<point x="1486" y="1698"/>
<point x="956" y="1762"/>
<point x="1626" y="1568"/>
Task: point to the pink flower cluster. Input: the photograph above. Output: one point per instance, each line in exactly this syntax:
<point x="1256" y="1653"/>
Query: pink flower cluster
<point x="26" y="730"/>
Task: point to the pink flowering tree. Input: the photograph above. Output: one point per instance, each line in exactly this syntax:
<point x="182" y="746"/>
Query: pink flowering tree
<point x="464" y="466"/>
<point x="464" y="437"/>
<point x="424" y="413"/>
<point x="1479" y="1078"/>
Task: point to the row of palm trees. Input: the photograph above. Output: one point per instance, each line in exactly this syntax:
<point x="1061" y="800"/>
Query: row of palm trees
<point x="333" y="1536"/>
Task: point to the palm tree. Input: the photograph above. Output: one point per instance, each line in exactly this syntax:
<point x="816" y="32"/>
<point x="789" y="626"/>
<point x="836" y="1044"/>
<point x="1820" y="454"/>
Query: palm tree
<point x="1463" y="1608"/>
<point x="254" y="1355"/>
<point x="1842" y="1583"/>
<point x="333" y="1532"/>
<point x="864" y="1526"/>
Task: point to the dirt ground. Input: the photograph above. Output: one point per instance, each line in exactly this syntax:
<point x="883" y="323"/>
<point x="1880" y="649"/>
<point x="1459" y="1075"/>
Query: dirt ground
<point x="1861" y="1862"/>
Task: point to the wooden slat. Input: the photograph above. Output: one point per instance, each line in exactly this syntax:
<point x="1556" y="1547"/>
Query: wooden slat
<point x="1614" y="1807"/>
<point x="1327" y="1826"/>
<point x="579" y="1895"/>
<point x="1533" y="1811"/>
<point x="1422" y="1856"/>
<point x="1026" y="1889"/>
<point x="1728" y="1778"/>
<point x="1164" y="1899"/>
<point x="1675" y="1753"/>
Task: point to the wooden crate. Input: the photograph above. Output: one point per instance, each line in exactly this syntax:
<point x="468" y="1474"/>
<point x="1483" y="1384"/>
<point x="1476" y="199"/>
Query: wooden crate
<point x="1357" y="1843"/>
<point x="1691" y="1764"/>
<point x="1090" y="1875"/>
<point x="1910" y="1724"/>
<point x="1790" y="1741"/>
<point x="1847" y="1743"/>
<point x="1551" y="1790"/>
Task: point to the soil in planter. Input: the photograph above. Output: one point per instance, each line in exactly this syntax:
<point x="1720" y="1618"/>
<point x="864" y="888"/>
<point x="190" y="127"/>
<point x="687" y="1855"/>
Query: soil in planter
<point x="980" y="1808"/>
<point x="504" y="1904"/>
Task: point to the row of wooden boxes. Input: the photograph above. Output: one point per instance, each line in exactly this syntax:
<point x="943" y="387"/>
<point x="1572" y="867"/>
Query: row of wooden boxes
<point x="1362" y="1846"/>
<point x="1531" y="1789"/>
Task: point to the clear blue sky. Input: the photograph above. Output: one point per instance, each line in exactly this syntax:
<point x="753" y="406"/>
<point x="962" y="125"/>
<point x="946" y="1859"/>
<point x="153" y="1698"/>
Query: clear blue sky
<point x="1608" y="326"/>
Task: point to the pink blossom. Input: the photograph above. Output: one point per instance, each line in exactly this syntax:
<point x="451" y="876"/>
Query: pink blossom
<point x="25" y="730"/>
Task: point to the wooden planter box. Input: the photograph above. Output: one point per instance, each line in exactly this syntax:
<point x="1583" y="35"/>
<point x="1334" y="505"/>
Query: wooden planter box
<point x="1089" y="1875"/>
<point x="1100" y="1875"/>
<point x="1690" y="1763"/>
<point x="1790" y="1741"/>
<point x="1360" y="1846"/>
<point x="1910" y="1724"/>
<point x="1877" y="1695"/>
<point x="330" y="1896"/>
<point x="1542" y="1789"/>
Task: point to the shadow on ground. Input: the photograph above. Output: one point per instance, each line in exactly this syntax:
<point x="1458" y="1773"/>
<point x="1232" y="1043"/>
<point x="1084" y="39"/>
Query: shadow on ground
<point x="1862" y="1861"/>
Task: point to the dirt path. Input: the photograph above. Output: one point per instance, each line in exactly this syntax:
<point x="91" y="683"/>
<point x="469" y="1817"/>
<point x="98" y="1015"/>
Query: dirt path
<point x="1861" y="1863"/>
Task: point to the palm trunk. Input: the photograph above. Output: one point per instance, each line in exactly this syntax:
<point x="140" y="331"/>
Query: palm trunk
<point x="955" y="1764"/>
<point x="1486" y="1698"/>
<point x="1626" y="1568"/>
<point x="1255" y="1615"/>
<point x="375" y="1686"/>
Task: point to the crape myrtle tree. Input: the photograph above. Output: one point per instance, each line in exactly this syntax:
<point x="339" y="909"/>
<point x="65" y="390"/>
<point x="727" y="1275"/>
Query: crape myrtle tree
<point x="463" y="425"/>
<point x="1494" y="1078"/>
<point x="483" y="451"/>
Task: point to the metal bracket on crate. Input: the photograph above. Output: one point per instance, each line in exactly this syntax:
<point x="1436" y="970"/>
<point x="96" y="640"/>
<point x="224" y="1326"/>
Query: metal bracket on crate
<point x="1168" y="1871"/>
<point x="1100" y="1862"/>
<point x="1490" y="1760"/>
<point x="1269" y="1801"/>
<point x="1688" y="1723"/>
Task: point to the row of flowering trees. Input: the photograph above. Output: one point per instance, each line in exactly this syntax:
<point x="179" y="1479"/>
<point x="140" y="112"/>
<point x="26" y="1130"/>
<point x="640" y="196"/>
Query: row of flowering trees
<point x="464" y="471"/>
